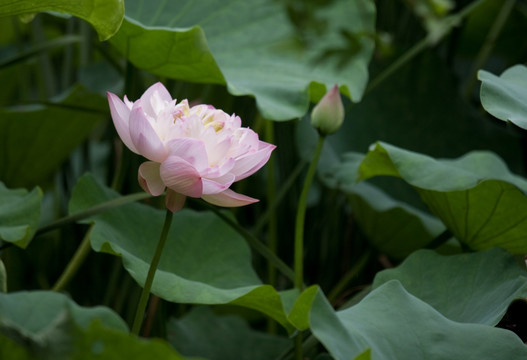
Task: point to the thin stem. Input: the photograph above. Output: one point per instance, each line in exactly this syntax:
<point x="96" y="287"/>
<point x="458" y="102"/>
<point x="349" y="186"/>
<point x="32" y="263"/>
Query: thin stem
<point x="397" y="64"/>
<point x="284" y="188"/>
<point x="39" y="49"/>
<point x="440" y="239"/>
<point x="138" y="320"/>
<point x="354" y="271"/>
<point x="254" y="242"/>
<point x="420" y="46"/>
<point x="487" y="47"/>
<point x="299" y="233"/>
<point x="76" y="261"/>
<point x="300" y="217"/>
<point x="299" y="339"/>
<point x="111" y="285"/>
<point x="94" y="210"/>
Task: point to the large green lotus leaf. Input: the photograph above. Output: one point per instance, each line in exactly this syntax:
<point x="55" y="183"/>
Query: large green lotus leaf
<point x="231" y="339"/>
<point x="36" y="139"/>
<point x="471" y="288"/>
<point x="478" y="199"/>
<point x="26" y="316"/>
<point x="505" y="97"/>
<point x="252" y="47"/>
<point x="104" y="15"/>
<point x="396" y="325"/>
<point x="394" y="227"/>
<point x="19" y="214"/>
<point x="204" y="260"/>
<point x="48" y="325"/>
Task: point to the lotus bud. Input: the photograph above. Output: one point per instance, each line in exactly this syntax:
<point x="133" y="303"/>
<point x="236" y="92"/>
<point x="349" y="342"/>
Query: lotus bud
<point x="327" y="116"/>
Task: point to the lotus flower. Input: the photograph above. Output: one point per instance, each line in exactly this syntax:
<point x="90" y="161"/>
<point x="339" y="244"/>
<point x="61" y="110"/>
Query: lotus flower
<point x="194" y="151"/>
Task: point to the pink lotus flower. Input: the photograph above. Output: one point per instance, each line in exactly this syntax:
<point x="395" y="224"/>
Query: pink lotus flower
<point x="194" y="151"/>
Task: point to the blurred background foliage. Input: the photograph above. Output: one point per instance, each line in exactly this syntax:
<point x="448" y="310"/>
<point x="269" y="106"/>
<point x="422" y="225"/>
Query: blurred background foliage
<point x="55" y="126"/>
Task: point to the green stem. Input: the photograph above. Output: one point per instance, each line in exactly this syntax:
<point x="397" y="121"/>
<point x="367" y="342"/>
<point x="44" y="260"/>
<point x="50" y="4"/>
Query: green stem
<point x="76" y="261"/>
<point x="300" y="217"/>
<point x="397" y="64"/>
<point x="440" y="239"/>
<point x="253" y="242"/>
<point x="344" y="281"/>
<point x="138" y="320"/>
<point x="39" y="49"/>
<point x="284" y="188"/>
<point x="420" y="46"/>
<point x="299" y="233"/>
<point x="487" y="47"/>
<point x="94" y="210"/>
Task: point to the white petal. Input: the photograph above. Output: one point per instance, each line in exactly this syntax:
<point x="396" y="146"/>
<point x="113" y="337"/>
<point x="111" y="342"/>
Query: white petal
<point x="152" y="96"/>
<point x="150" y="178"/>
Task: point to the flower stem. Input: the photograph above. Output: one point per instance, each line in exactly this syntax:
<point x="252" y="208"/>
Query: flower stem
<point x="138" y="320"/>
<point x="299" y="233"/>
<point x="487" y="47"/>
<point x="300" y="217"/>
<point x="76" y="261"/>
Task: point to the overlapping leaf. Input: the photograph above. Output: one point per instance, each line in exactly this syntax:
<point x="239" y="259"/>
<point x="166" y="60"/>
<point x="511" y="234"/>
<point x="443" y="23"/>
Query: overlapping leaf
<point x="470" y="288"/>
<point x="394" y="227"/>
<point x="394" y="324"/>
<point x="27" y="133"/>
<point x="48" y="325"/>
<point x="204" y="260"/>
<point x="252" y="47"/>
<point x="234" y="339"/>
<point x="478" y="199"/>
<point x="104" y="15"/>
<point x="19" y="214"/>
<point x="505" y="97"/>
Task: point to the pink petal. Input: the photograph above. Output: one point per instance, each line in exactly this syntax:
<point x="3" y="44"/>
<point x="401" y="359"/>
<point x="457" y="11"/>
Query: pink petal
<point x="192" y="150"/>
<point x="248" y="164"/>
<point x="217" y="185"/>
<point x="144" y="137"/>
<point x="229" y="198"/>
<point x="150" y="178"/>
<point x="174" y="201"/>
<point x="181" y="176"/>
<point x="146" y="98"/>
<point x="120" y="116"/>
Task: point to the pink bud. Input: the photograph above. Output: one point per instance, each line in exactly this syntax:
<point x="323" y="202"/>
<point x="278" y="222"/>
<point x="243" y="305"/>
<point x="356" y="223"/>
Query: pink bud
<point x="327" y="116"/>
